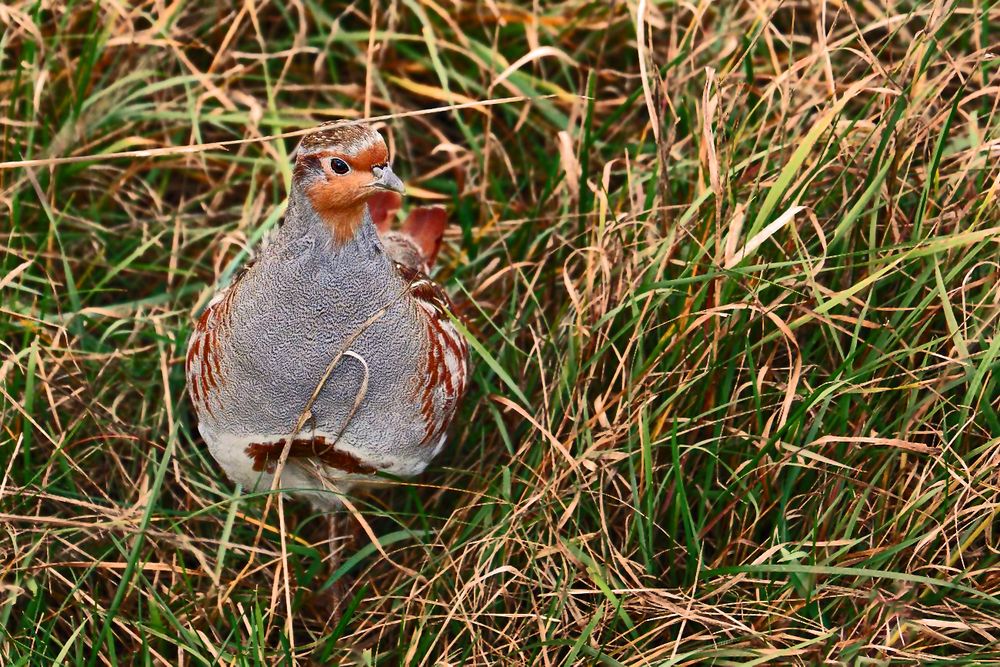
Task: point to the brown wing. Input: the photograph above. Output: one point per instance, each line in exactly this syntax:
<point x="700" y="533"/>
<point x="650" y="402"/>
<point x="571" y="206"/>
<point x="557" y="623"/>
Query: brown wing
<point x="425" y="225"/>
<point x="202" y="365"/>
<point x="446" y="366"/>
<point x="382" y="206"/>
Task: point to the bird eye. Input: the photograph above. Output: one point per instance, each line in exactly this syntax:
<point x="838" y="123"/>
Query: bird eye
<point x="339" y="167"/>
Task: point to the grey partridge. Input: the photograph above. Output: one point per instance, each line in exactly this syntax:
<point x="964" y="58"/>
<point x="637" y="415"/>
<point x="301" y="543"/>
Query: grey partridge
<point x="332" y="329"/>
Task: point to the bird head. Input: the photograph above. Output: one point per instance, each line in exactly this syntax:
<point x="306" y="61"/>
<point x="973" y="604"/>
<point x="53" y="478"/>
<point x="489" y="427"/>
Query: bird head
<point x="338" y="169"/>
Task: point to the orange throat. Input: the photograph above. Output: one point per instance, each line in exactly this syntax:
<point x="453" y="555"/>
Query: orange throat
<point x="342" y="210"/>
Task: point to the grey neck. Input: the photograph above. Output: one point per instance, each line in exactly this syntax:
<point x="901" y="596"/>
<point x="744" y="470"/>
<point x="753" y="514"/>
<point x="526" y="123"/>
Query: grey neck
<point x="362" y="253"/>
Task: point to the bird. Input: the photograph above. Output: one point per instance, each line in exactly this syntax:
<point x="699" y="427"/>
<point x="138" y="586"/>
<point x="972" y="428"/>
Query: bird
<point x="333" y="343"/>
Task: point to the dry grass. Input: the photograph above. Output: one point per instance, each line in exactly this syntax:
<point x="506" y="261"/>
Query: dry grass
<point x="734" y="285"/>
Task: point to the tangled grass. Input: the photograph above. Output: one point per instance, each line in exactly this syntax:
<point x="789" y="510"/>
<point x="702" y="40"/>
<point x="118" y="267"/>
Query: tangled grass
<point x="732" y="270"/>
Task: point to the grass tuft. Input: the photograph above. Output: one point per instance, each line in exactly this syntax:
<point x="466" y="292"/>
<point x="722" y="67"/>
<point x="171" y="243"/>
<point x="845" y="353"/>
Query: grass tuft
<point x="731" y="270"/>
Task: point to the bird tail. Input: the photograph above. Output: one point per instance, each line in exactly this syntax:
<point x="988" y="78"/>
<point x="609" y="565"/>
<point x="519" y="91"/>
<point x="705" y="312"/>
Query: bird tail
<point x="424" y="225"/>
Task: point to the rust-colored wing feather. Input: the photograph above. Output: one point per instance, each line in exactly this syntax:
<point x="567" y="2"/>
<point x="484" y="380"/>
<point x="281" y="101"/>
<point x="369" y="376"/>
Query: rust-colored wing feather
<point x="446" y="366"/>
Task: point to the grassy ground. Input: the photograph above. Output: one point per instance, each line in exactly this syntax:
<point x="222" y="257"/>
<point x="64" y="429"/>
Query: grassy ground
<point x="735" y="291"/>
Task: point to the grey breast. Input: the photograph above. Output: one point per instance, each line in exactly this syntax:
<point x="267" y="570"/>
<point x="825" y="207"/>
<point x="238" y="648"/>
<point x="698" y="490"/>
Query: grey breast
<point x="295" y="309"/>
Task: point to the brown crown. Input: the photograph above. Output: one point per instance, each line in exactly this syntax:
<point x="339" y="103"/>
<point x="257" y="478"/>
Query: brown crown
<point x="350" y="138"/>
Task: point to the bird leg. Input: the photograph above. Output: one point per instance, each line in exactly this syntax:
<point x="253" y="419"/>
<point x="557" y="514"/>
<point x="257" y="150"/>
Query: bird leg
<point x="331" y="541"/>
<point x="339" y="539"/>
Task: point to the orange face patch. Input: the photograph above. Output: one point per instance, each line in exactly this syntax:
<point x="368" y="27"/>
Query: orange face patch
<point x="340" y="198"/>
<point x="371" y="156"/>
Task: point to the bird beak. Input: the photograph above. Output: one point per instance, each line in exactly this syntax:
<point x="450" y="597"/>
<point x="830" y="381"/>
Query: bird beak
<point x="386" y="180"/>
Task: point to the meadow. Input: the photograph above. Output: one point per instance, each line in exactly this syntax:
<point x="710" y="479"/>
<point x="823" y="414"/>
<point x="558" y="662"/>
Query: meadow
<point x="731" y="277"/>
